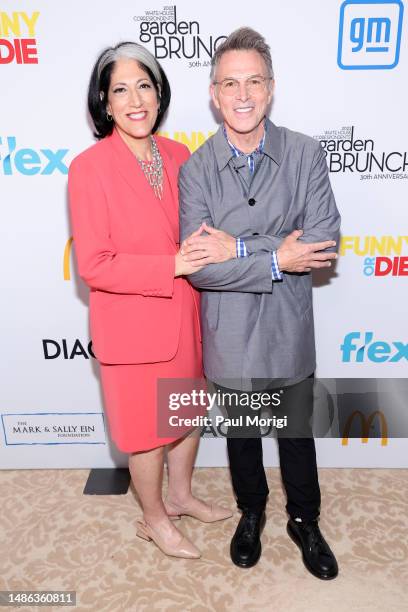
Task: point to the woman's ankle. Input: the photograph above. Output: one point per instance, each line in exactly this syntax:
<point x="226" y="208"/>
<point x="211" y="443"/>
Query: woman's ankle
<point x="153" y="517"/>
<point x="175" y="499"/>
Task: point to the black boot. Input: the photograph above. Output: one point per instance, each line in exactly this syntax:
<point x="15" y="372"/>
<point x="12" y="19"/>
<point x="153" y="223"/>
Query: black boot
<point x="246" y="543"/>
<point x="317" y="556"/>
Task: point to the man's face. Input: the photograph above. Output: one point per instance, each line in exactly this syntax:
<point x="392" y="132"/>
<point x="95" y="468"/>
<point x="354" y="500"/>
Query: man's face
<point x="243" y="111"/>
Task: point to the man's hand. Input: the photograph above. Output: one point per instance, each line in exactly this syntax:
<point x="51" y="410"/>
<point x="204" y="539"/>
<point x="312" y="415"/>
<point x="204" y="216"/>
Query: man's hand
<point x="215" y="247"/>
<point x="294" y="256"/>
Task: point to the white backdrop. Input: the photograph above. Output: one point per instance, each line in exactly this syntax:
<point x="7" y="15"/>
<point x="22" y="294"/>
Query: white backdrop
<point x="330" y="84"/>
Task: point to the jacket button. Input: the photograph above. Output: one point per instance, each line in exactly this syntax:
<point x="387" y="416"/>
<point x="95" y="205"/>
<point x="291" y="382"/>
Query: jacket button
<point x="255" y="234"/>
<point x="251" y="202"/>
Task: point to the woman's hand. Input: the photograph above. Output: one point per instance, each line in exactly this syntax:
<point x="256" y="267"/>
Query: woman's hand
<point x="185" y="267"/>
<point x="214" y="247"/>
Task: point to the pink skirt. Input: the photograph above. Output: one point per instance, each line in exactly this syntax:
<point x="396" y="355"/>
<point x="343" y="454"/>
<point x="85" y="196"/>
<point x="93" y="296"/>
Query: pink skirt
<point x="130" y="391"/>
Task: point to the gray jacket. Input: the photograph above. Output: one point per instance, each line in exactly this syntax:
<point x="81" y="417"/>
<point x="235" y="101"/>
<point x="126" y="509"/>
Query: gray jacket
<point x="254" y="328"/>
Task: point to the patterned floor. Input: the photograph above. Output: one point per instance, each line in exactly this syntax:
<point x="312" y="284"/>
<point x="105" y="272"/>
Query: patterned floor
<point x="54" y="537"/>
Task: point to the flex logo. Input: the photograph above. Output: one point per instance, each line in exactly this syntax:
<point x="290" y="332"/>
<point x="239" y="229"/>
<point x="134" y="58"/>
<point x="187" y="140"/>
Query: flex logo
<point x="17" y="37"/>
<point x="30" y="161"/>
<point x="370" y="34"/>
<point x="359" y="347"/>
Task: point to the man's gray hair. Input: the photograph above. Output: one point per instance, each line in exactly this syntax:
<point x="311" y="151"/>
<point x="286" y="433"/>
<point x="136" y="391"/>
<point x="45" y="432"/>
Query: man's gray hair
<point x="130" y="51"/>
<point x="243" y="39"/>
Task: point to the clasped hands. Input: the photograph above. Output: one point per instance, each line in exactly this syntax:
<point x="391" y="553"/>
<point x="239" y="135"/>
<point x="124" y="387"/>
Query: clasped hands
<point x="216" y="246"/>
<point x="200" y="249"/>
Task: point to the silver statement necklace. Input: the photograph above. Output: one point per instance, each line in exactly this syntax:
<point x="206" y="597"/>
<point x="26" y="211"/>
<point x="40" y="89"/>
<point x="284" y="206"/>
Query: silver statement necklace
<point x="153" y="170"/>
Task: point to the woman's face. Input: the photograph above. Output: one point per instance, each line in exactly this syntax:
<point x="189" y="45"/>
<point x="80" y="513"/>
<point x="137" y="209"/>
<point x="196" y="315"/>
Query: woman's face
<point x="132" y="100"/>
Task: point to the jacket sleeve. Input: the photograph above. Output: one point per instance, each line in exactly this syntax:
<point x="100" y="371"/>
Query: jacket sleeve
<point x="262" y="242"/>
<point x="250" y="274"/>
<point x="321" y="220"/>
<point x="100" y="265"/>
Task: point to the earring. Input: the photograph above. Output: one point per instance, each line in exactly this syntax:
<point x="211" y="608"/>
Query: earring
<point x="109" y="116"/>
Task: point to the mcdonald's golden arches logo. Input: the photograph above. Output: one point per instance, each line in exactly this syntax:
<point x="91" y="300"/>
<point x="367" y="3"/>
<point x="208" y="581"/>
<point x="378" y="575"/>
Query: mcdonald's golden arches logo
<point x="67" y="257"/>
<point x="365" y="426"/>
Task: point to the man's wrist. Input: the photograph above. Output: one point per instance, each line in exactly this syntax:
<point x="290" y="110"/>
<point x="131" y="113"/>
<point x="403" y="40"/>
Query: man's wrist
<point x="276" y="273"/>
<point x="241" y="249"/>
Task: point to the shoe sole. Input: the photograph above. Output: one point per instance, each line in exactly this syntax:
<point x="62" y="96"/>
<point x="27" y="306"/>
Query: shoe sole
<point x="307" y="566"/>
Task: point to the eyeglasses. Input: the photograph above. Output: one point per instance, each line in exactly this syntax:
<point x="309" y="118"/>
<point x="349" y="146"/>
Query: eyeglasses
<point x="253" y="85"/>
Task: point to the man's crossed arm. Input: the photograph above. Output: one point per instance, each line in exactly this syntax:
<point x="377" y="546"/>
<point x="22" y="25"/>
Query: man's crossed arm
<point x="217" y="255"/>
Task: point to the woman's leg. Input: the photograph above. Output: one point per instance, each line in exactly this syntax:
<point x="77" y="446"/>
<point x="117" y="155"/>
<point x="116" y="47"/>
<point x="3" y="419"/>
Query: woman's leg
<point x="181" y="455"/>
<point x="146" y="469"/>
<point x="180" y="499"/>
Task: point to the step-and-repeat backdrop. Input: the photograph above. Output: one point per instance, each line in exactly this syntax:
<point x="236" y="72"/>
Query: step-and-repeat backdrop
<point x="341" y="77"/>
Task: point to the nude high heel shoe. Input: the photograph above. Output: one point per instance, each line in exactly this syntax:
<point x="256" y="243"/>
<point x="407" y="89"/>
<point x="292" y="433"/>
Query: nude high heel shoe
<point x="183" y="549"/>
<point x="211" y="514"/>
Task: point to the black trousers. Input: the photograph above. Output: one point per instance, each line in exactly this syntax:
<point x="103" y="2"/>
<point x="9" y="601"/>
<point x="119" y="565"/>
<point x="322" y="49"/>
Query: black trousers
<point x="296" y="445"/>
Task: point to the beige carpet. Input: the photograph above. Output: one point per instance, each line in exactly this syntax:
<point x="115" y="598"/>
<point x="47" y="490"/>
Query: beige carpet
<point x="53" y="537"/>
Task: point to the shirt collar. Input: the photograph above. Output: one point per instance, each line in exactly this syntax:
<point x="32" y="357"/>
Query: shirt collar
<point x="237" y="152"/>
<point x="272" y="145"/>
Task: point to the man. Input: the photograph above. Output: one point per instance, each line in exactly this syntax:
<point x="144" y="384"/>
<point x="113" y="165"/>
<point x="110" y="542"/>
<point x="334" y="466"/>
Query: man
<point x="262" y="202"/>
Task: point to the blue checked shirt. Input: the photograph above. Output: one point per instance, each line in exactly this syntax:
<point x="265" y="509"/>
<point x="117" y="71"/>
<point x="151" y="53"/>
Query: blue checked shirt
<point x="240" y="244"/>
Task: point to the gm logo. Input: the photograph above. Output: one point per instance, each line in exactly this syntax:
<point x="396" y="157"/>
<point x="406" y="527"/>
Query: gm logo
<point x="370" y="34"/>
<point x="359" y="347"/>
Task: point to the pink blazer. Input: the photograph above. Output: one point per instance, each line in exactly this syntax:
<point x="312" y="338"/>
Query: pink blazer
<point x="125" y="242"/>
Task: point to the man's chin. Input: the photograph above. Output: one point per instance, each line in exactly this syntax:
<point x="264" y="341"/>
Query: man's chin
<point x="244" y="129"/>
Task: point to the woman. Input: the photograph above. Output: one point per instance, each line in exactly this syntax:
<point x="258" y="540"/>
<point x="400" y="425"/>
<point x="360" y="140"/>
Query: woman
<point x="143" y="313"/>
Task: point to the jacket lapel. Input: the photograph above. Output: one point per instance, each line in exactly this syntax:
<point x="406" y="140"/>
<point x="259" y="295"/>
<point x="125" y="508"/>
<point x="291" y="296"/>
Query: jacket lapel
<point x="131" y="172"/>
<point x="171" y="170"/>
